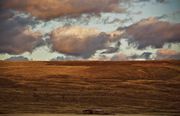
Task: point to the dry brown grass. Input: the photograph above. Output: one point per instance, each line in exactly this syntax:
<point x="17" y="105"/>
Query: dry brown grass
<point x="70" y="87"/>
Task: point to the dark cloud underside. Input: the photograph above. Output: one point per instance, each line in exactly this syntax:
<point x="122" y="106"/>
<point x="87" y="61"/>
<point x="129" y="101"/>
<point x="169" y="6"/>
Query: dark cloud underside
<point x="78" y="41"/>
<point x="152" y="32"/>
<point x="16" y="37"/>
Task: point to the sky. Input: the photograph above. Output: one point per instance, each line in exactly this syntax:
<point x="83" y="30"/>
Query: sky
<point x="105" y="30"/>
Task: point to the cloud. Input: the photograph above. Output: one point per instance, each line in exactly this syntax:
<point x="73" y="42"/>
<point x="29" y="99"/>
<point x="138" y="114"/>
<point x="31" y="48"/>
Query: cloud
<point x="66" y="58"/>
<point x="158" y="1"/>
<point x="143" y="56"/>
<point x="82" y="41"/>
<point x="161" y="1"/>
<point x="16" y="37"/>
<point x="100" y="58"/>
<point x="78" y="41"/>
<point x="152" y="32"/>
<point x="48" y="9"/>
<point x="146" y="55"/>
<point x="119" y="57"/>
<point x="112" y="49"/>
<point x="5" y="14"/>
<point x="18" y="58"/>
<point x="58" y="58"/>
<point x="163" y="54"/>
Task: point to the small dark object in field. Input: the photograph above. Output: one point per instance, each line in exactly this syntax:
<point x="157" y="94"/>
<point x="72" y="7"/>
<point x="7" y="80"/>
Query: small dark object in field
<point x="95" y="111"/>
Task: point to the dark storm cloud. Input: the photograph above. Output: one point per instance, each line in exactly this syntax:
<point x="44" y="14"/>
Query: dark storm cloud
<point x="15" y="36"/>
<point x="48" y="9"/>
<point x="152" y="32"/>
<point x="5" y="14"/>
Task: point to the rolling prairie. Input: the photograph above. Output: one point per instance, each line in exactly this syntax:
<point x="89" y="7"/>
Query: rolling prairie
<point x="69" y="87"/>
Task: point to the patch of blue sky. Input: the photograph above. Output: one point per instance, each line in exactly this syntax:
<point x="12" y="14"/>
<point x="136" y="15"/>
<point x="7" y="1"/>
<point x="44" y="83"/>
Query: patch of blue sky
<point x="43" y="53"/>
<point x="170" y="9"/>
<point x="108" y="22"/>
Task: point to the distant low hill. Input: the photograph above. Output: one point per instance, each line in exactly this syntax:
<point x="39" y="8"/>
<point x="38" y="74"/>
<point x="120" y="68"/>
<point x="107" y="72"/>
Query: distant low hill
<point x="18" y="58"/>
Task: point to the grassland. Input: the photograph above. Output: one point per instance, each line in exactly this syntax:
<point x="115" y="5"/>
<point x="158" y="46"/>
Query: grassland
<point x="70" y="87"/>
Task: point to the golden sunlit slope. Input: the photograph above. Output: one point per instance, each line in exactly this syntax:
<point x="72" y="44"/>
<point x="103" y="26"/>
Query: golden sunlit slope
<point x="70" y="87"/>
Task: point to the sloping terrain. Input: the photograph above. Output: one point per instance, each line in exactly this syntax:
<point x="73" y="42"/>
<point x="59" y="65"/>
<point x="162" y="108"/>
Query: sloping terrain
<point x="70" y="87"/>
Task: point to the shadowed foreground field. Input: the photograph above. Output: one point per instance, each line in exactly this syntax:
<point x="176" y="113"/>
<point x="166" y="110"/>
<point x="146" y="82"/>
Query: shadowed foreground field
<point x="70" y="87"/>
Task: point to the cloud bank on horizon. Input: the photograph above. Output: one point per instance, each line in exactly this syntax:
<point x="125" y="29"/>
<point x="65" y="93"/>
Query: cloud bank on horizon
<point x="116" y="30"/>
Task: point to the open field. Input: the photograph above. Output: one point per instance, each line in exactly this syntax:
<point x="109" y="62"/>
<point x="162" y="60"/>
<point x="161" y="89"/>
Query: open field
<point x="70" y="87"/>
<point x="76" y="115"/>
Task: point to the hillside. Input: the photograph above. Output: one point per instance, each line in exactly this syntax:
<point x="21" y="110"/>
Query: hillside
<point x="70" y="87"/>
